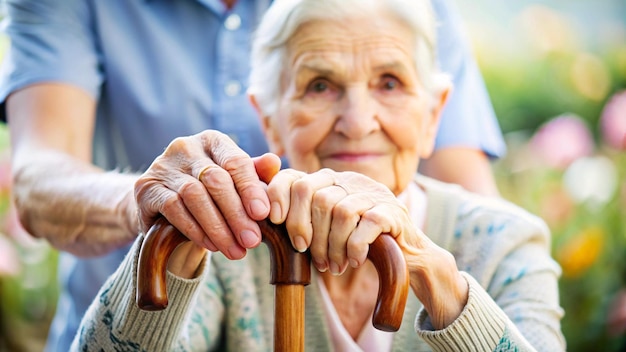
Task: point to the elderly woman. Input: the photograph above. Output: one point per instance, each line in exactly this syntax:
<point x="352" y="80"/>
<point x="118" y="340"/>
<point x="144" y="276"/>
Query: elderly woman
<point x="348" y="92"/>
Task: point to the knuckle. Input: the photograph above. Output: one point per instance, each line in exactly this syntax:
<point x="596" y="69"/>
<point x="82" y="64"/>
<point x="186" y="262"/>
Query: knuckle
<point x="336" y="255"/>
<point x="237" y="163"/>
<point x="342" y="211"/>
<point x="374" y="216"/>
<point x="210" y="134"/>
<point x="298" y="228"/>
<point x="216" y="177"/>
<point x="322" y="197"/>
<point x="287" y="176"/>
<point x="189" y="230"/>
<point x="218" y="231"/>
<point x="167" y="202"/>
<point x="176" y="145"/>
<point x="327" y="172"/>
<point x="318" y="250"/>
<point x="354" y="245"/>
<point x="301" y="188"/>
<point x="274" y="191"/>
<point x="210" y="137"/>
<point x="191" y="191"/>
<point x="144" y="187"/>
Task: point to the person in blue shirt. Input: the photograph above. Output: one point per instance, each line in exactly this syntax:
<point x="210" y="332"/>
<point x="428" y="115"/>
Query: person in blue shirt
<point x="93" y="91"/>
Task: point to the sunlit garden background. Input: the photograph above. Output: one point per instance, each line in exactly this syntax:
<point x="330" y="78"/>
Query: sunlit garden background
<point x="556" y="73"/>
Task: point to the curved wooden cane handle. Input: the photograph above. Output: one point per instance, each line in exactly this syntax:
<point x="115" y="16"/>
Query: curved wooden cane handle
<point x="159" y="243"/>
<point x="288" y="267"/>
<point x="393" y="289"/>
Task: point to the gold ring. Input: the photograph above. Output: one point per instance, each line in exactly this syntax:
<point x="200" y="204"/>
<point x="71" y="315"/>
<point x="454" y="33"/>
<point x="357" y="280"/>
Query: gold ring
<point x="204" y="170"/>
<point x="342" y="187"/>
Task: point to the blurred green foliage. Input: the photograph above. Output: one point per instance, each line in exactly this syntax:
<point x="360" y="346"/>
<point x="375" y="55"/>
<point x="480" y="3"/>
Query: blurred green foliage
<point x="525" y="94"/>
<point x="588" y="241"/>
<point x="28" y="287"/>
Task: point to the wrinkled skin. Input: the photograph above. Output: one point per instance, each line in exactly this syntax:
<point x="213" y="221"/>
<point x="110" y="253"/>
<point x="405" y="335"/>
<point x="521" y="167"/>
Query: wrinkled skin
<point x="201" y="184"/>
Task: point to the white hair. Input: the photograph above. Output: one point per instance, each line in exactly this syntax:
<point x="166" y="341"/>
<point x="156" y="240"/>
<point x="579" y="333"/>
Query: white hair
<point x="284" y="17"/>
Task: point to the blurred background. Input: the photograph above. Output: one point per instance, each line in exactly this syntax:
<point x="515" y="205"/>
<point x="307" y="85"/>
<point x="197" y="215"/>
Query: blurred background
<point x="556" y="74"/>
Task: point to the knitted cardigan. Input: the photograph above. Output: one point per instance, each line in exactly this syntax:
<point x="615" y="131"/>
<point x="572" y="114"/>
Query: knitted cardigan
<point x="501" y="250"/>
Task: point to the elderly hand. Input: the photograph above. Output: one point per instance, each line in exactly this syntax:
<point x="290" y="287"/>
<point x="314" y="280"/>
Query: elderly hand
<point x="337" y="215"/>
<point x="210" y="190"/>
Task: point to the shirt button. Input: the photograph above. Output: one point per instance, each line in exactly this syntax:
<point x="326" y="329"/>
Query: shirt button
<point x="232" y="22"/>
<point x="232" y="88"/>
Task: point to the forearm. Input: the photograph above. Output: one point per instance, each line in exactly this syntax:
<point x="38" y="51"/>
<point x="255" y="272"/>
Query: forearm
<point x="59" y="194"/>
<point x="75" y="206"/>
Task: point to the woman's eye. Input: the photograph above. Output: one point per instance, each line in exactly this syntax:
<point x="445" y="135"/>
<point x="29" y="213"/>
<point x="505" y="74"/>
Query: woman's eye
<point x="318" y="86"/>
<point x="389" y="83"/>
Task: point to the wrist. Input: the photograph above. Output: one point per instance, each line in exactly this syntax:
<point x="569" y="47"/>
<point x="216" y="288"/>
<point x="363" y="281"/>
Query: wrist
<point x="129" y="216"/>
<point x="187" y="260"/>
<point x="450" y="305"/>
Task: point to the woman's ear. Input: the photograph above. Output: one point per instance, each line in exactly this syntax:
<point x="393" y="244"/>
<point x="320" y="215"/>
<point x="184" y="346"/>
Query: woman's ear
<point x="431" y="125"/>
<point x="272" y="135"/>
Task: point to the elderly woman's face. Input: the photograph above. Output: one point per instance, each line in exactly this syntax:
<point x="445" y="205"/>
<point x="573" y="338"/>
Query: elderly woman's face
<point x="351" y="99"/>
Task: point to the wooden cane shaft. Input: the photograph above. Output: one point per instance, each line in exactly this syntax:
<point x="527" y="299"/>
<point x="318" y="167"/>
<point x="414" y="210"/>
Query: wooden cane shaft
<point x="289" y="318"/>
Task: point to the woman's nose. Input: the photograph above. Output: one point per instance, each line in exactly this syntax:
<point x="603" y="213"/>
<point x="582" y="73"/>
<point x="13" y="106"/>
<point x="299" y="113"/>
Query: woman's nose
<point x="357" y="115"/>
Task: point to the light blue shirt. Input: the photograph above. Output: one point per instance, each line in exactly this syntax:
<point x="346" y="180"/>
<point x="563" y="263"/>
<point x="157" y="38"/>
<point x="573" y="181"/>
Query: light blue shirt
<point x="162" y="69"/>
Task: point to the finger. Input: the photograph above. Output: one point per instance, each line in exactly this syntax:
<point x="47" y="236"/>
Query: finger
<point x="279" y="193"/>
<point x="345" y="218"/>
<point x="150" y="196"/>
<point x="161" y="201"/>
<point x="299" y="217"/>
<point x="208" y="244"/>
<point x="267" y="165"/>
<point x="173" y="208"/>
<point x="226" y="154"/>
<point x="324" y="200"/>
<point x="218" y="234"/>
<point x="370" y="226"/>
<point x="217" y="206"/>
<point x="373" y="222"/>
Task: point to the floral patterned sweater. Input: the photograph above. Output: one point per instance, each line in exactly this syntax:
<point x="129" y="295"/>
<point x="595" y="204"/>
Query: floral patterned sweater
<point x="502" y="251"/>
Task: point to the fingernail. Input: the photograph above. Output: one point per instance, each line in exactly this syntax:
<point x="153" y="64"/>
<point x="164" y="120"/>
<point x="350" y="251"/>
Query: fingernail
<point x="249" y="239"/>
<point x="275" y="212"/>
<point x="334" y="268"/>
<point x="236" y="252"/>
<point x="258" y="208"/>
<point x="321" y="266"/>
<point x="354" y="263"/>
<point x="300" y="244"/>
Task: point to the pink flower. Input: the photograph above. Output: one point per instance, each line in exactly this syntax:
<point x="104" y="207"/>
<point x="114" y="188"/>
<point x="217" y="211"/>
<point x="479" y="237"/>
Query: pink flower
<point x="562" y="140"/>
<point x="5" y="170"/>
<point x="9" y="261"/>
<point x="613" y="121"/>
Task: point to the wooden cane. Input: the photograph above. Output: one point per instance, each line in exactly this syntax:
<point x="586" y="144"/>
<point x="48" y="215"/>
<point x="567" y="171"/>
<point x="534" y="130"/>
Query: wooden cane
<point x="290" y="272"/>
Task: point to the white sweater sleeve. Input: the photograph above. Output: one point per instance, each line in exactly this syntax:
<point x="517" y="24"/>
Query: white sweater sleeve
<point x="115" y="322"/>
<point x="482" y="326"/>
